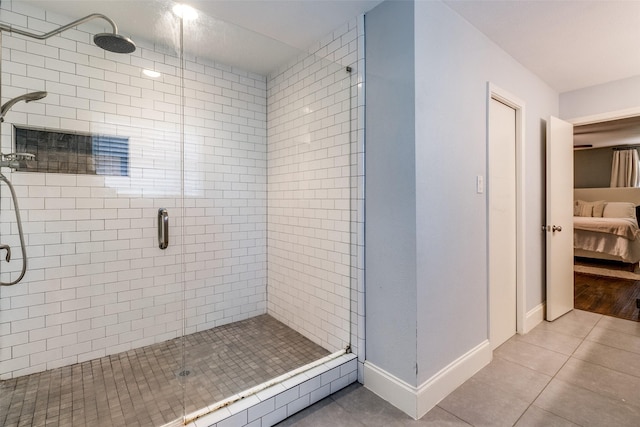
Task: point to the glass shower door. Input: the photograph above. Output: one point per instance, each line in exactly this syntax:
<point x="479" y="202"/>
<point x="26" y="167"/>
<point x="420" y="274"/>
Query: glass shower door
<point x="93" y="332"/>
<point x="267" y="210"/>
<point x="187" y="218"/>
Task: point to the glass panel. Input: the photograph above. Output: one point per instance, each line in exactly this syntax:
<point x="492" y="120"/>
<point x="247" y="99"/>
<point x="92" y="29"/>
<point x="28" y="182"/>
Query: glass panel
<point x="243" y="142"/>
<point x="309" y="199"/>
<point x="92" y="333"/>
<point x="267" y="196"/>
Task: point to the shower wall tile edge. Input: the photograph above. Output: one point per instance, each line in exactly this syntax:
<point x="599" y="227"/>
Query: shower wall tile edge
<point x="278" y="402"/>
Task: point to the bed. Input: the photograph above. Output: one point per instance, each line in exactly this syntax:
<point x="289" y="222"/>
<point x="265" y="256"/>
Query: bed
<point x="606" y="230"/>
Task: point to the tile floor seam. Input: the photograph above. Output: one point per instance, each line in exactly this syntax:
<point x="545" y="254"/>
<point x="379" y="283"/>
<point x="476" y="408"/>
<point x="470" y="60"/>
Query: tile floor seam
<point x="525" y="366"/>
<point x="582" y="340"/>
<point x="574" y="358"/>
<point x="597" y="364"/>
<point x="344" y="408"/>
<point x="594" y="392"/>
<point x="605" y="366"/>
<point x="548" y="349"/>
<point x="552" y="413"/>
<point x="534" y="399"/>
<point x="614" y="347"/>
<point x="454" y="415"/>
<point x="522" y="366"/>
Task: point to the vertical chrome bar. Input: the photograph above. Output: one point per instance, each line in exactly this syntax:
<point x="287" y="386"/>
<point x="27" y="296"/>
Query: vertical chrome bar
<point x="163" y="228"/>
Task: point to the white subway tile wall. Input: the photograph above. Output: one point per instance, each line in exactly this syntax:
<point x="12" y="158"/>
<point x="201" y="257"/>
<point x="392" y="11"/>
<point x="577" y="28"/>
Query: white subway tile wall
<point x="97" y="283"/>
<point x="311" y="154"/>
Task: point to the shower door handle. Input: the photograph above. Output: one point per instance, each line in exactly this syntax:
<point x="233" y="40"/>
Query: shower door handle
<point x="163" y="228"/>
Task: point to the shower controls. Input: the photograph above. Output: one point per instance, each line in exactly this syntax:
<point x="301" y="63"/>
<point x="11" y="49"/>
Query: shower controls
<point x="163" y="228"/>
<point x="19" y="156"/>
<point x="13" y="160"/>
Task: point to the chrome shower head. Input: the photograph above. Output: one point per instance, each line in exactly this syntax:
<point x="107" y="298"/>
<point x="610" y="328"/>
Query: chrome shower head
<point x="27" y="97"/>
<point x="114" y="42"/>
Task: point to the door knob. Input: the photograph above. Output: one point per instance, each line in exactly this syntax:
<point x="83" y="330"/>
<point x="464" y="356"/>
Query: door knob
<point x="556" y="228"/>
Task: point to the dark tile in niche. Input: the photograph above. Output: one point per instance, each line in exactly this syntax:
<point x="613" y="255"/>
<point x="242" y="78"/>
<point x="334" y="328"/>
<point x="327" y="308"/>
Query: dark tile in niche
<point x="68" y="152"/>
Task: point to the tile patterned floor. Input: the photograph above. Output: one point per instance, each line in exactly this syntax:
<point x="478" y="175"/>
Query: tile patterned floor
<point x="581" y="370"/>
<point x="143" y="387"/>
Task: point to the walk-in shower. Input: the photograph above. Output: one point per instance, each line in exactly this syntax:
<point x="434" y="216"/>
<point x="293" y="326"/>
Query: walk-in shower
<point x="256" y="167"/>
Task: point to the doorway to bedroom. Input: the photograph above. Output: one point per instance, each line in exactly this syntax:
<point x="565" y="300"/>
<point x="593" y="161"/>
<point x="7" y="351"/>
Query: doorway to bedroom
<point x="606" y="268"/>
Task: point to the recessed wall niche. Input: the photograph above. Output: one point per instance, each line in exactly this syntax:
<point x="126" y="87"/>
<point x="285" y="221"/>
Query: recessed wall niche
<point x="72" y="152"/>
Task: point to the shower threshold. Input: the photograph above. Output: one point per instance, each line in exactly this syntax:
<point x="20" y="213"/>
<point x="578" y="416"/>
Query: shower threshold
<point x="156" y="384"/>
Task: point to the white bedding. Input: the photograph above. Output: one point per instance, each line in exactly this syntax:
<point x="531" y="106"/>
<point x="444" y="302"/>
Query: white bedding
<point x="613" y="238"/>
<point x="624" y="227"/>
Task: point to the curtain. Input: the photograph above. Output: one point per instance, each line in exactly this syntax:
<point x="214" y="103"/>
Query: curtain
<point x="624" y="168"/>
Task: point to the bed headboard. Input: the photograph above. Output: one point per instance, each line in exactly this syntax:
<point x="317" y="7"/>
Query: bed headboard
<point x="616" y="194"/>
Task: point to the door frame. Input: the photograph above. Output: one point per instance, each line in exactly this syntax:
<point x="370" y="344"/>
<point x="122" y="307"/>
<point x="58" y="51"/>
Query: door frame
<point x="605" y="117"/>
<point x="501" y="95"/>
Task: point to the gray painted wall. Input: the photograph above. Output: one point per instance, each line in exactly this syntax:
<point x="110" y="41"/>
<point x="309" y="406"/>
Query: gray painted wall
<point x="592" y="168"/>
<point x="454" y="62"/>
<point x="426" y="236"/>
<point x="613" y="96"/>
<point x="390" y="232"/>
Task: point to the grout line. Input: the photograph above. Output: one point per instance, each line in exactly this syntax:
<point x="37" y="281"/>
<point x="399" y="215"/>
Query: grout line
<point x="582" y="340"/>
<point x="609" y="346"/>
<point x="452" y="414"/>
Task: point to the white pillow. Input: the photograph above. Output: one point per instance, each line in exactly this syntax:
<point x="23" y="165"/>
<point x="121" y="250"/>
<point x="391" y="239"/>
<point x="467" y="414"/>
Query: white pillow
<point x="582" y="208"/>
<point x="619" y="210"/>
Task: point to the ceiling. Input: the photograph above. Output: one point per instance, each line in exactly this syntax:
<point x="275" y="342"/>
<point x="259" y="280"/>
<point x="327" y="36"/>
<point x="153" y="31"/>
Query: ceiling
<point x="607" y="134"/>
<point x="254" y="35"/>
<point x="568" y="44"/>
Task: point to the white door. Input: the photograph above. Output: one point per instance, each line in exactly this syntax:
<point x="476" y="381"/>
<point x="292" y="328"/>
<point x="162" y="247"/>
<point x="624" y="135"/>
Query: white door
<point x="502" y="222"/>
<point x="559" y="226"/>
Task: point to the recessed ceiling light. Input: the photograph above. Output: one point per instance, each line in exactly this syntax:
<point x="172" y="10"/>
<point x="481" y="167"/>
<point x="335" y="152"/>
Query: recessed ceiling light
<point x="151" y="73"/>
<point x="185" y="12"/>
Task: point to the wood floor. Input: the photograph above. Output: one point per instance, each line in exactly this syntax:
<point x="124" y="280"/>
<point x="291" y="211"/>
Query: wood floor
<point x="607" y="295"/>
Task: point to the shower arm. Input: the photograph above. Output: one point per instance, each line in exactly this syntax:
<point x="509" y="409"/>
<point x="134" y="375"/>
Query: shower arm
<point x="9" y="28"/>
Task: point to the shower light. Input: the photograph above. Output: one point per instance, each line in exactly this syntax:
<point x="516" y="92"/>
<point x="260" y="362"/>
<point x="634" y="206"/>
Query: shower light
<point x="185" y="12"/>
<point x="151" y="73"/>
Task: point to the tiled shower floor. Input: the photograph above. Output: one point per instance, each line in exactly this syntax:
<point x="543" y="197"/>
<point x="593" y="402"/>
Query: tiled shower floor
<point x="143" y="387"/>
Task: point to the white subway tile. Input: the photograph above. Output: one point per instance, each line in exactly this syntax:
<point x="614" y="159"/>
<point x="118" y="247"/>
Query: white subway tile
<point x="61" y="318"/>
<point x="226" y="133"/>
<point x="20" y="301"/>
<point x="29" y="348"/>
<point x="27" y="324"/>
<point x="44" y="357"/>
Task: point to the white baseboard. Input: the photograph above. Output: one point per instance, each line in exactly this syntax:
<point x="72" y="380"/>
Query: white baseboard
<point x="392" y="389"/>
<point x="534" y="317"/>
<point x="417" y="401"/>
